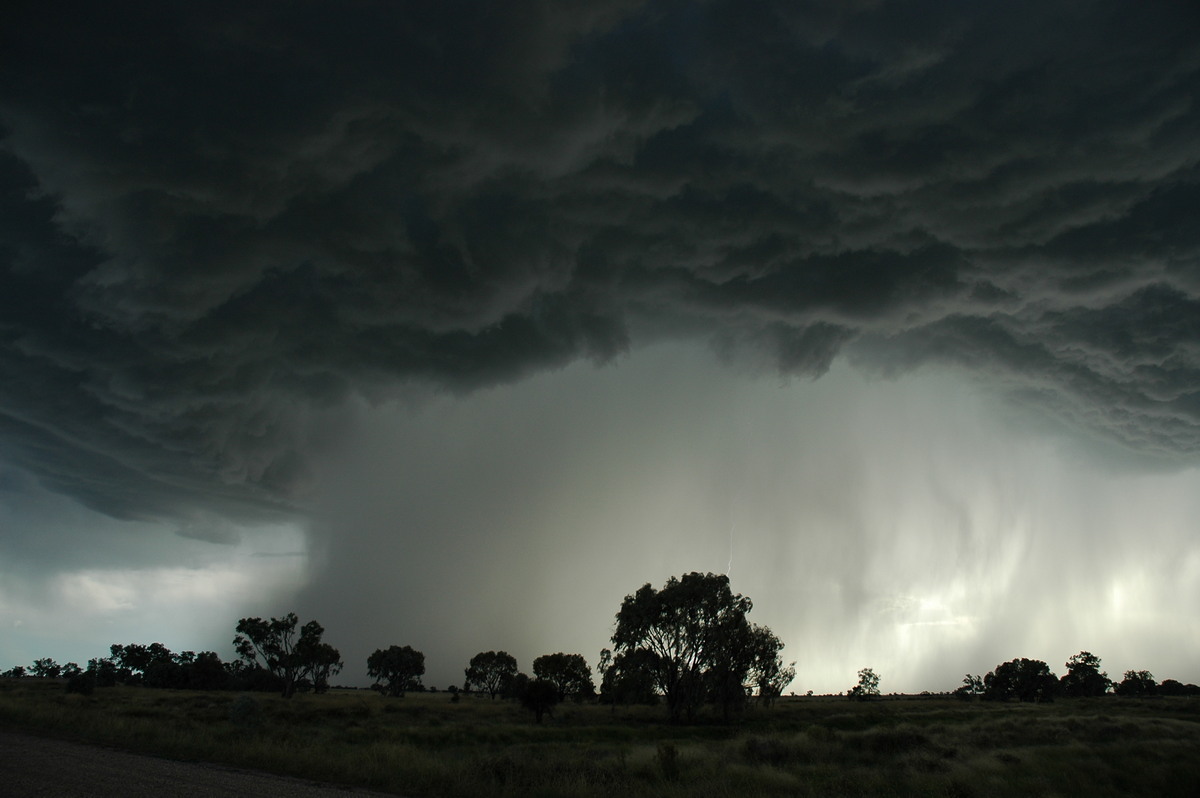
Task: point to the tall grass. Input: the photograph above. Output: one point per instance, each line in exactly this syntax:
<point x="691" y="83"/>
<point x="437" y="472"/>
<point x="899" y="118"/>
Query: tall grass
<point x="425" y="745"/>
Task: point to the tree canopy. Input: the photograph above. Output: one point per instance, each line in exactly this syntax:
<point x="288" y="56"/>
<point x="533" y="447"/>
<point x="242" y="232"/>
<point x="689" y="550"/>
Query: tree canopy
<point x="867" y="687"/>
<point x="291" y="657"/>
<point x="1084" y="677"/>
<point x="569" y="673"/>
<point x="1137" y="683"/>
<point x="490" y="671"/>
<point x="693" y="639"/>
<point x="399" y="668"/>
<point x="1023" y="679"/>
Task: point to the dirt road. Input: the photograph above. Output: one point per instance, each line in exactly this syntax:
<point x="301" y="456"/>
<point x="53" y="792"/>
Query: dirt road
<point x="44" y="767"/>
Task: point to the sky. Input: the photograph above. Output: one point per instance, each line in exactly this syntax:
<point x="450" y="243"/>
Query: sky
<point x="451" y="324"/>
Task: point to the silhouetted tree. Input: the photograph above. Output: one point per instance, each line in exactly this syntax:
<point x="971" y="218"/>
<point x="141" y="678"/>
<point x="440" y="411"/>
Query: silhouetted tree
<point x="324" y="661"/>
<point x="1171" y="687"/>
<point x="568" y="672"/>
<point x="15" y="672"/>
<point x="1024" y="679"/>
<point x="971" y="687"/>
<point x="490" y="671"/>
<point x="1084" y="677"/>
<point x="539" y="696"/>
<point x="768" y="674"/>
<point x="288" y="656"/>
<point x="400" y="667"/>
<point x="154" y="664"/>
<point x="45" y="668"/>
<point x="207" y="672"/>
<point x="104" y="671"/>
<point x="867" y="687"/>
<point x="1137" y="683"/>
<point x="81" y="681"/>
<point x="694" y="635"/>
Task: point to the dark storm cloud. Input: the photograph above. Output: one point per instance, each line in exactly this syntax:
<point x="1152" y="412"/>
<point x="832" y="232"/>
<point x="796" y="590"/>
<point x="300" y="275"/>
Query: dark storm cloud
<point x="219" y="223"/>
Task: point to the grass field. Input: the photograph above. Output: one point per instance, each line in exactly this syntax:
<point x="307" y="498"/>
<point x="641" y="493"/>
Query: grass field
<point x="425" y="745"/>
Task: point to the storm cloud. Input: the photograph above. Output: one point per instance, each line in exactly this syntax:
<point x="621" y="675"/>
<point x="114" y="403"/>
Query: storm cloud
<point x="228" y="233"/>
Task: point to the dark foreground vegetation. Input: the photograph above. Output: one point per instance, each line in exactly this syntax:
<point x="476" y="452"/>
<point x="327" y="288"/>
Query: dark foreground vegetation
<point x="438" y="744"/>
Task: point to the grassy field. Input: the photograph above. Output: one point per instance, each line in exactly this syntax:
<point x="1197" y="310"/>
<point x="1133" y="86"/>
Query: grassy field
<point x="425" y="745"/>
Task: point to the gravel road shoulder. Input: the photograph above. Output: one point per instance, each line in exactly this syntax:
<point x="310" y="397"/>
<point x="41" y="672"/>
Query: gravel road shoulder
<point x="45" y="767"/>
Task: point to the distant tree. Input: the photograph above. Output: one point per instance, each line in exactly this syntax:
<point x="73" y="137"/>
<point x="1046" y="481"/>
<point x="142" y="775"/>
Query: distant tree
<point x="398" y="667"/>
<point x="768" y="674"/>
<point x="45" y="668"/>
<point x="971" y="687"/>
<point x="15" y="672"/>
<point x="692" y="636"/>
<point x="131" y="661"/>
<point x="569" y="673"/>
<point x="867" y="687"/>
<point x="153" y="665"/>
<point x="70" y="669"/>
<point x="490" y="671"/>
<point x="103" y="671"/>
<point x="1024" y="679"/>
<point x="1137" y="683"/>
<point x="539" y="696"/>
<point x="289" y="656"/>
<point x="1084" y="677"/>
<point x="81" y="681"/>
<point x="207" y="672"/>
<point x="1171" y="687"/>
<point x="165" y="668"/>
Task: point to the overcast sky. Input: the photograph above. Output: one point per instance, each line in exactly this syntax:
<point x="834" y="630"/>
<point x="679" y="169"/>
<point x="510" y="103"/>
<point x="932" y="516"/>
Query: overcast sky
<point x="451" y="324"/>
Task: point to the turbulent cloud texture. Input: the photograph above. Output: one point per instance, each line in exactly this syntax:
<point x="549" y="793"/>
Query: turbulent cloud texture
<point x="221" y="224"/>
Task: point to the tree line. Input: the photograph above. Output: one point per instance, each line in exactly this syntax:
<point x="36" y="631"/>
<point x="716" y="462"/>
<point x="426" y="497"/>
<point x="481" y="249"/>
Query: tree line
<point x="688" y="645"/>
<point x="1031" y="680"/>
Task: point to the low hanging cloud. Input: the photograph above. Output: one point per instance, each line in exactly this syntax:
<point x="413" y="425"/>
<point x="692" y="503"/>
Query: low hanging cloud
<point x="219" y="226"/>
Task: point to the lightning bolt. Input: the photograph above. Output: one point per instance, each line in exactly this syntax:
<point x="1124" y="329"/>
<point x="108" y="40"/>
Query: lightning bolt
<point x="732" y="527"/>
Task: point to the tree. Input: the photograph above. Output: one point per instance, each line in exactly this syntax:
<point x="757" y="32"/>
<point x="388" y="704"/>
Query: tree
<point x="490" y="671"/>
<point x="103" y="671"/>
<point x="971" y="687"/>
<point x="46" y="668"/>
<point x="401" y="667"/>
<point x="1137" y="683"/>
<point x="1084" y="677"/>
<point x="569" y="673"/>
<point x="154" y="664"/>
<point x="15" y="672"/>
<point x="692" y="636"/>
<point x="324" y="661"/>
<point x="867" y="687"/>
<point x="207" y="672"/>
<point x="768" y="674"/>
<point x="288" y="656"/>
<point x="539" y="697"/>
<point x="1024" y="679"/>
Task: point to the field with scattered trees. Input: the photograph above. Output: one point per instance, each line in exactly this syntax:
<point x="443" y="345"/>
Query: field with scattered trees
<point x="444" y="744"/>
<point x="689" y="702"/>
